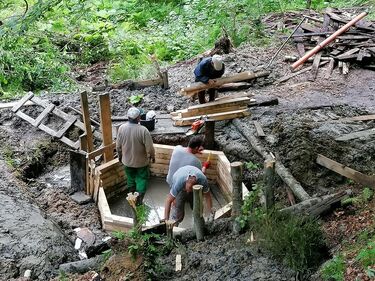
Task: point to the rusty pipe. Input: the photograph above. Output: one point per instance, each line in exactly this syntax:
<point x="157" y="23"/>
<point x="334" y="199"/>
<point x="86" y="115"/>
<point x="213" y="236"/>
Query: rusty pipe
<point x="327" y="40"/>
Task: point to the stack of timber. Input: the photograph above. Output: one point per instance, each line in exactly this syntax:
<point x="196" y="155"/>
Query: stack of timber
<point x="213" y="111"/>
<point x="110" y="176"/>
<point x="356" y="45"/>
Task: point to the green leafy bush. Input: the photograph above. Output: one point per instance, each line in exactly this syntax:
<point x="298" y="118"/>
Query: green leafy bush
<point x="334" y="269"/>
<point x="367" y="255"/>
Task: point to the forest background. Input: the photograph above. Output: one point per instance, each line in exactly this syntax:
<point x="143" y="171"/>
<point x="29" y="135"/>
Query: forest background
<point x="43" y="42"/>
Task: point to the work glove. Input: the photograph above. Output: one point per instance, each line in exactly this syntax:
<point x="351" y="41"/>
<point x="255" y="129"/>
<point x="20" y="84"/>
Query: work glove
<point x="206" y="164"/>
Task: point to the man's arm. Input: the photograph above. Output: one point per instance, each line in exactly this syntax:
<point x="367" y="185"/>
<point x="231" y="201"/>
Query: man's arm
<point x="149" y="145"/>
<point x="167" y="206"/>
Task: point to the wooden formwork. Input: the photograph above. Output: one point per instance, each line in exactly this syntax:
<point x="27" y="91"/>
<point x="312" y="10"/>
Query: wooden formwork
<point x="110" y="177"/>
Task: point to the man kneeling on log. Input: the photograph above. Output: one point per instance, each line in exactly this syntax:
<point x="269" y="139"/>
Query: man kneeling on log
<point x="182" y="191"/>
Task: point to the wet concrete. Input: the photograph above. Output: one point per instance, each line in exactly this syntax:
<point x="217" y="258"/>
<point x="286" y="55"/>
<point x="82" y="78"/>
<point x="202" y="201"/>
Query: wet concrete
<point x="155" y="198"/>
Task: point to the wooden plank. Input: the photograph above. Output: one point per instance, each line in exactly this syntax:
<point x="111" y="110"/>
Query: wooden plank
<point x="301" y="49"/>
<point x="359" y="118"/>
<point x="259" y="129"/>
<point x="5" y="105"/>
<point x="203" y="112"/>
<point x="101" y="150"/>
<point x="214" y="117"/>
<point x="356" y="135"/>
<point x="345" y="68"/>
<point x="108" y="165"/>
<point x="285" y="78"/>
<point x="315" y="66"/>
<point x="346" y="171"/>
<point x="22" y="101"/>
<point x="330" y="68"/>
<point x="25" y="117"/>
<point x="45" y="112"/>
<point x="87" y="121"/>
<point x="72" y="144"/>
<point x="106" y="124"/>
<point x="66" y="126"/>
<point x="348" y="53"/>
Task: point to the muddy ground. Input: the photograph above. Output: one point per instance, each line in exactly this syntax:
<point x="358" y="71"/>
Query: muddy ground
<point x="38" y="217"/>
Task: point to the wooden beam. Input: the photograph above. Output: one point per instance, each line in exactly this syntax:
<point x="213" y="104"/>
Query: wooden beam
<point x="285" y="78"/>
<point x="359" y="118"/>
<point x="346" y="171"/>
<point x="243" y="76"/>
<point x="236" y="172"/>
<point x="259" y="129"/>
<point x="87" y="121"/>
<point x="106" y="124"/>
<point x="356" y="135"/>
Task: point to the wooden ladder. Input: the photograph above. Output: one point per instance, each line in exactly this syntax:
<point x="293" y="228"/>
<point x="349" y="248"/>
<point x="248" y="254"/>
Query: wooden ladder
<point x="49" y="108"/>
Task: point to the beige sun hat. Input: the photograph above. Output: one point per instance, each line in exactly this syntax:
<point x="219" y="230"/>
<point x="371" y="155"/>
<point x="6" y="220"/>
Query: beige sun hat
<point x="218" y="62"/>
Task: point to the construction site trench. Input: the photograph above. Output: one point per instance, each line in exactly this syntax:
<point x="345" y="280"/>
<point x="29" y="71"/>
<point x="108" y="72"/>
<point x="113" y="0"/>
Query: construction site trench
<point x="39" y="219"/>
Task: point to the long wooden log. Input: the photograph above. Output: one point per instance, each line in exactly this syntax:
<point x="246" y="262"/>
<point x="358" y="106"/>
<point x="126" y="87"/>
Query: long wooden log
<point x="281" y="170"/>
<point x="317" y="205"/>
<point x="82" y="266"/>
<point x="243" y="76"/>
<point x="269" y="179"/>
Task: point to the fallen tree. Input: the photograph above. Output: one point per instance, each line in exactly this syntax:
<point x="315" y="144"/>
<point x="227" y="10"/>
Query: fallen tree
<point x="281" y="170"/>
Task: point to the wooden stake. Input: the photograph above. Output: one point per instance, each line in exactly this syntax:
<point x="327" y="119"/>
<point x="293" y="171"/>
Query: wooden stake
<point x="269" y="179"/>
<point x="198" y="212"/>
<point x="106" y="124"/>
<point x="87" y="121"/>
<point x="236" y="173"/>
<point x="165" y="79"/>
<point x="169" y="224"/>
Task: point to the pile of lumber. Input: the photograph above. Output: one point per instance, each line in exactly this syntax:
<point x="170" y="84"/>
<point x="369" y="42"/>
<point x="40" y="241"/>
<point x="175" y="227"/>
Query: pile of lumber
<point x="355" y="46"/>
<point x="223" y="109"/>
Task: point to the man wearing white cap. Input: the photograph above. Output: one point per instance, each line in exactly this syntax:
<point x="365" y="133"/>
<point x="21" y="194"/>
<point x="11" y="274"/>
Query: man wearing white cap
<point x="135" y="150"/>
<point x="206" y="70"/>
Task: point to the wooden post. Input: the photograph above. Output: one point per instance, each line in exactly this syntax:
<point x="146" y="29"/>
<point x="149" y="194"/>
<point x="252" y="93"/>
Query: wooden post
<point x="106" y="124"/>
<point x="169" y="224"/>
<point x="165" y="79"/>
<point x="87" y="121"/>
<point x="269" y="181"/>
<point x="198" y="212"/>
<point x="236" y="173"/>
<point x="78" y="170"/>
<point x="209" y="135"/>
<point x="83" y="142"/>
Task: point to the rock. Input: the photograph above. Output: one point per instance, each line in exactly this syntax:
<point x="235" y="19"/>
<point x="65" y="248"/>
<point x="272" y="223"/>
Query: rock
<point x="81" y="198"/>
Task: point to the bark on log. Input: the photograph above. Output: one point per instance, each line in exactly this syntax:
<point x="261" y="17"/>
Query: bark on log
<point x="281" y="170"/>
<point x="243" y="76"/>
<point x="209" y="135"/>
<point x="82" y="266"/>
<point x="237" y="178"/>
<point x="317" y="205"/>
<point x="198" y="212"/>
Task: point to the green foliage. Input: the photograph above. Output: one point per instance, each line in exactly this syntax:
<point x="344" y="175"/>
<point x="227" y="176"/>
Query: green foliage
<point x="251" y="166"/>
<point x="63" y="276"/>
<point x="107" y="254"/>
<point x="367" y="255"/>
<point x="334" y="269"/>
<point x="8" y="154"/>
<point x="296" y="241"/>
<point x="36" y="51"/>
<point x="366" y="195"/>
<point x="119" y="235"/>
<point x="134" y="99"/>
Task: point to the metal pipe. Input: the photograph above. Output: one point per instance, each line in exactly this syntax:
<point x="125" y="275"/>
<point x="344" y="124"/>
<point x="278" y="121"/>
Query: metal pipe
<point x="282" y="46"/>
<point x="321" y="45"/>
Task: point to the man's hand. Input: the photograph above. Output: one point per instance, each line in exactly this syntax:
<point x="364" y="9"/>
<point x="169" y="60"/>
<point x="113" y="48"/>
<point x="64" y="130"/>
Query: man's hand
<point x="206" y="164"/>
<point x="210" y="82"/>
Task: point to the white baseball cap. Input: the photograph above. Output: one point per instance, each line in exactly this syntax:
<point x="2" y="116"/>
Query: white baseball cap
<point x="218" y="62"/>
<point x="133" y="113"/>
